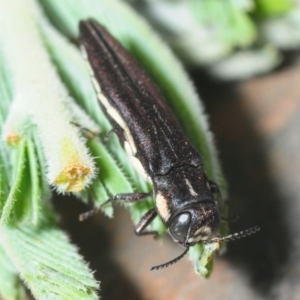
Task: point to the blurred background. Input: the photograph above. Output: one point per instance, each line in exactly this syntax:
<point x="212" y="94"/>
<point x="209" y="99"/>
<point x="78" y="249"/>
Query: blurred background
<point x="244" y="61"/>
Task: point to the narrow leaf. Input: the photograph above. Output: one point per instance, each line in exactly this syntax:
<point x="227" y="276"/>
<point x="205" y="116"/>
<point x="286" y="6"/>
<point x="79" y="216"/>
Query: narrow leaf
<point x="18" y="173"/>
<point x="35" y="185"/>
<point x="49" y="264"/>
<point x="10" y="283"/>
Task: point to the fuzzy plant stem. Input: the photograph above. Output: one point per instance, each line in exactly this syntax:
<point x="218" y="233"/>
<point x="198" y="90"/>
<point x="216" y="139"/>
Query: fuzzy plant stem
<point x="40" y="97"/>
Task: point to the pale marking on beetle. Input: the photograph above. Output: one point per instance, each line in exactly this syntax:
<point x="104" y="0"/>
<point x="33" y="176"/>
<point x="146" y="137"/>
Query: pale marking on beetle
<point x="110" y="110"/>
<point x="195" y="240"/>
<point x="208" y="185"/>
<point x="130" y="141"/>
<point x="204" y="230"/>
<point x="135" y="162"/>
<point x="128" y="149"/>
<point x="96" y="85"/>
<point x="103" y="100"/>
<point x="117" y="117"/>
<point x="139" y="168"/>
<point x="202" y="234"/>
<point x="85" y="56"/>
<point x="129" y="145"/>
<point x="192" y="191"/>
<point x="90" y="69"/>
<point x="162" y="206"/>
<point x="129" y="138"/>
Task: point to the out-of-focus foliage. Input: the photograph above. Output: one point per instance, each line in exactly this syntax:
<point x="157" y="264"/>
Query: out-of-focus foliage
<point x="226" y="37"/>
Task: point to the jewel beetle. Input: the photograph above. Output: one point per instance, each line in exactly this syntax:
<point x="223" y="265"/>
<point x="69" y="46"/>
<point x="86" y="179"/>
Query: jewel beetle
<point x="184" y="198"/>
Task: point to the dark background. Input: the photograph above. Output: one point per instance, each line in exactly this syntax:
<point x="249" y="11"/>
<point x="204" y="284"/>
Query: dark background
<point x="256" y="124"/>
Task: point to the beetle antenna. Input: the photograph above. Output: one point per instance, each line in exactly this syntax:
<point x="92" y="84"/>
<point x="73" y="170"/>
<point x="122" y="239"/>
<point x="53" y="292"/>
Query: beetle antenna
<point x="233" y="236"/>
<point x="171" y="262"/>
<point x="91" y="212"/>
<point x="89" y="134"/>
<point x="87" y="214"/>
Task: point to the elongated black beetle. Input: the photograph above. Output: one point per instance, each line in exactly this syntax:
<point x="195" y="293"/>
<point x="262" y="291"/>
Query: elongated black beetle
<point x="157" y="146"/>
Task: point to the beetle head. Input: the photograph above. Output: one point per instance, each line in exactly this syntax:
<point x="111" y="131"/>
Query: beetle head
<point x="194" y="224"/>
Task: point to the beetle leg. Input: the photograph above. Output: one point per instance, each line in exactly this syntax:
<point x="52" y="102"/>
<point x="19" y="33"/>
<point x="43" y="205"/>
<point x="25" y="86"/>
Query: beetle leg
<point x="216" y="190"/>
<point x="232" y="218"/>
<point x="144" y="222"/>
<point x="89" y="134"/>
<point x="118" y="131"/>
<point x="128" y="197"/>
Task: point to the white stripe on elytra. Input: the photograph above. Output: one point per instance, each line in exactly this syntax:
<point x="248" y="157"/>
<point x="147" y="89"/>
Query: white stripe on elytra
<point x="96" y="85"/>
<point x="117" y="117"/>
<point x="136" y="163"/>
<point x="129" y="145"/>
<point x="192" y="191"/>
<point x="84" y="54"/>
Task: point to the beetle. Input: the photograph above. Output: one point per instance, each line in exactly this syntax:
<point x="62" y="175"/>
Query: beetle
<point x="184" y="198"/>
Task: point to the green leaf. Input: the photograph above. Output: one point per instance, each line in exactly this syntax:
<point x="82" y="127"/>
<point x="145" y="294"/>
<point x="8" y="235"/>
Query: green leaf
<point x="24" y="194"/>
<point x="5" y="98"/>
<point x="39" y="156"/>
<point x="227" y="20"/>
<point x="31" y="247"/>
<point x="35" y="178"/>
<point x="99" y="195"/>
<point x="115" y="180"/>
<point x="18" y="174"/>
<point x="5" y="88"/>
<point x="205" y="265"/>
<point x="47" y="262"/>
<point x="4" y="175"/>
<point x="273" y="8"/>
<point x="10" y="283"/>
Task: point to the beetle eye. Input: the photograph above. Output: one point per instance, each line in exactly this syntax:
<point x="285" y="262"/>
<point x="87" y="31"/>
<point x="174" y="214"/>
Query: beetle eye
<point x="180" y="226"/>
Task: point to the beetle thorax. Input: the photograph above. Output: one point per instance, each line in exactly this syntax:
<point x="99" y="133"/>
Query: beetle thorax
<point x="186" y="205"/>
